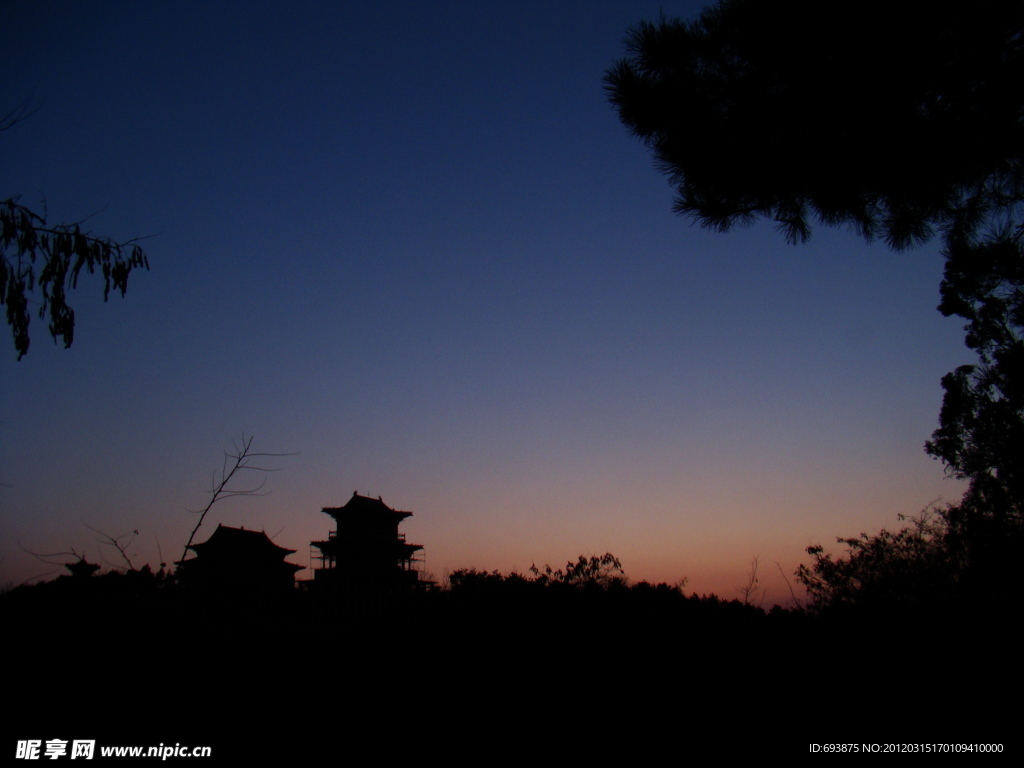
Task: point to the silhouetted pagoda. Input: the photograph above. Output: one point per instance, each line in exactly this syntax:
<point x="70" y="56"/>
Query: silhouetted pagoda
<point x="234" y="559"/>
<point x="366" y="552"/>
<point x="81" y="568"/>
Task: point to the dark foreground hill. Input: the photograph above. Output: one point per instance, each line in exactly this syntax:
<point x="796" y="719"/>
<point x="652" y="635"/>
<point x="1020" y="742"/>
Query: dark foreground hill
<point x="482" y="673"/>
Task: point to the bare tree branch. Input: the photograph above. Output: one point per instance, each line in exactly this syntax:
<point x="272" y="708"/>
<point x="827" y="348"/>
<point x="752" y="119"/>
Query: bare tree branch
<point x="41" y="556"/>
<point x="796" y="603"/>
<point x="115" y="542"/>
<point x="30" y="579"/>
<point x="233" y="464"/>
<point x="80" y="567"/>
<point x="750" y="588"/>
<point x="160" y="552"/>
<point x="22" y="111"/>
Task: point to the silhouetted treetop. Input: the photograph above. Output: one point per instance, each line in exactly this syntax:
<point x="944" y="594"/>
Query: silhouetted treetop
<point x="902" y="570"/>
<point x="894" y="118"/>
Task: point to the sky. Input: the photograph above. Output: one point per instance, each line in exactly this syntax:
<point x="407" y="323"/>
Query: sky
<point x="412" y="244"/>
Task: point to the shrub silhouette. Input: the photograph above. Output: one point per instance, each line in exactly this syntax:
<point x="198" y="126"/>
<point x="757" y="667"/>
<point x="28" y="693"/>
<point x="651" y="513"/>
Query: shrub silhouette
<point x="911" y="568"/>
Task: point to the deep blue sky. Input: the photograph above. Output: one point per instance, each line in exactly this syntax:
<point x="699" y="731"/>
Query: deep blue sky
<point x="413" y="242"/>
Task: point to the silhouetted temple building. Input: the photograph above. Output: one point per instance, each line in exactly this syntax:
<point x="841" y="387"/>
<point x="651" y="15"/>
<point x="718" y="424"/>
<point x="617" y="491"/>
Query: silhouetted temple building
<point x="235" y="559"/>
<point x="366" y="551"/>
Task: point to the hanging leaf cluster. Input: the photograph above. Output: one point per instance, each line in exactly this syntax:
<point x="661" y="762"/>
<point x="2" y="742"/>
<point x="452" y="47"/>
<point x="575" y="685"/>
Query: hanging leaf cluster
<point x="47" y="259"/>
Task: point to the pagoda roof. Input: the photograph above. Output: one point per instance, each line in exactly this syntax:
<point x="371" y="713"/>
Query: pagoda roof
<point x="240" y="540"/>
<point x="82" y="567"/>
<point x="365" y="506"/>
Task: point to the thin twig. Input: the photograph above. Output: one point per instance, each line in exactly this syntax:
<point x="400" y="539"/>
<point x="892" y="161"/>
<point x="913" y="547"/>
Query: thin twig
<point x="788" y="584"/>
<point x="41" y="556"/>
<point x="22" y="111"/>
<point x="115" y="542"/>
<point x="751" y="586"/>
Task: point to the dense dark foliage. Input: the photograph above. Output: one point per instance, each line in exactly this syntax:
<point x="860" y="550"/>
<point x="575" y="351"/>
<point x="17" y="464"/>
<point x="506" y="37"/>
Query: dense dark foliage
<point x="894" y="118"/>
<point x="135" y="658"/>
<point x="911" y="568"/>
<point x="981" y="426"/>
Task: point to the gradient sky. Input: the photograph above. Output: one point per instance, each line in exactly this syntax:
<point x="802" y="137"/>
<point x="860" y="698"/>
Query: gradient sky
<point x="413" y="242"/>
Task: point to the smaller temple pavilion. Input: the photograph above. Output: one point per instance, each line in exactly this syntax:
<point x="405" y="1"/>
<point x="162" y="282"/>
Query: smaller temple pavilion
<point x="235" y="559"/>
<point x="366" y="552"/>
